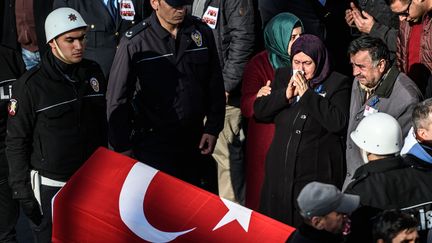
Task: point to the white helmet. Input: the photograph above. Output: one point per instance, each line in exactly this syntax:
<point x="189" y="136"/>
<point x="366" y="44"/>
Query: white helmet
<point x="62" y="20"/>
<point x="378" y="134"/>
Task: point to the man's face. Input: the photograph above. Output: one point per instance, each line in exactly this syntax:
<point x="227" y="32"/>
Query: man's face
<point x="304" y="63"/>
<point x="407" y="236"/>
<point x="333" y="222"/>
<point x="71" y="45"/>
<point x="365" y="70"/>
<point x="410" y="11"/>
<point x="167" y="14"/>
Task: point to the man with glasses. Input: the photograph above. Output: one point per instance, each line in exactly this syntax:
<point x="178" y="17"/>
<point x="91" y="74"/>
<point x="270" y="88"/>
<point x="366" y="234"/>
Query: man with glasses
<point x="414" y="46"/>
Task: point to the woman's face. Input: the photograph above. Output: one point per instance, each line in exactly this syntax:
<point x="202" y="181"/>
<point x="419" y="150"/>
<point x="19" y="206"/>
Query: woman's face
<point x="294" y="35"/>
<point x="304" y="63"/>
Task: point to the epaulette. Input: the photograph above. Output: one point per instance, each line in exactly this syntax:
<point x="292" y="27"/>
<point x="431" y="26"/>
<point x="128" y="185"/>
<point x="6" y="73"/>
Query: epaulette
<point x="136" y="29"/>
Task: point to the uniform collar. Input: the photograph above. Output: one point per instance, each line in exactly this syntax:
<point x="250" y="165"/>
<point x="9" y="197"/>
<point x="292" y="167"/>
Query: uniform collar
<point x="185" y="27"/>
<point x="379" y="166"/>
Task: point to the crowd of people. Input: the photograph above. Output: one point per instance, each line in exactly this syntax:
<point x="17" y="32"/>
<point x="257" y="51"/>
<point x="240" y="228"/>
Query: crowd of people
<point x="317" y="113"/>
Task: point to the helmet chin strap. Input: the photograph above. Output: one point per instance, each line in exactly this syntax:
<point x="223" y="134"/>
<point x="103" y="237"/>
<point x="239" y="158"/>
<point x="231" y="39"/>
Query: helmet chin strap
<point x="364" y="156"/>
<point x="60" y="53"/>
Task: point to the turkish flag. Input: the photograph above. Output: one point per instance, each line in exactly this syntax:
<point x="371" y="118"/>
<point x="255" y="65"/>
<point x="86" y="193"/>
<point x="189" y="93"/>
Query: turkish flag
<point x="113" y="198"/>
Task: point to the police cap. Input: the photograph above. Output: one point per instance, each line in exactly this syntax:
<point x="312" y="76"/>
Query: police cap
<point x="178" y="3"/>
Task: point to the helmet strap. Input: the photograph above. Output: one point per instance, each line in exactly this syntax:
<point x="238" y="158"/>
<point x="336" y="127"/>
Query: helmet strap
<point x="60" y="53"/>
<point x="364" y="156"/>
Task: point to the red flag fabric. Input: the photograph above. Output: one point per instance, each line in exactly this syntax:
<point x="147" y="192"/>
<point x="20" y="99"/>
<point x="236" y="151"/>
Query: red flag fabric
<point x="113" y="198"/>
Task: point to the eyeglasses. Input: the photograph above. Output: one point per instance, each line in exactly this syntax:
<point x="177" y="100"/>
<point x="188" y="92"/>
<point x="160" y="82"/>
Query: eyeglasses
<point x="405" y="13"/>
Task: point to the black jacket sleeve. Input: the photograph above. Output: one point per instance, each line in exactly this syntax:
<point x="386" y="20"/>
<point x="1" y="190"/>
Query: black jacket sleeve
<point x="19" y="140"/>
<point x="215" y="112"/>
<point x="267" y="107"/>
<point x="240" y="24"/>
<point x="121" y="86"/>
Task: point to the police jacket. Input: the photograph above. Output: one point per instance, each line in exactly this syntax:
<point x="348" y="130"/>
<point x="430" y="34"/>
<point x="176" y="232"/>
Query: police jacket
<point x="396" y="183"/>
<point x="56" y="121"/>
<point x="104" y="31"/>
<point x="165" y="86"/>
<point x="11" y="67"/>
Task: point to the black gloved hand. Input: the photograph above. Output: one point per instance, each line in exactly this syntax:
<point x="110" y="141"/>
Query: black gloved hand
<point x="31" y="208"/>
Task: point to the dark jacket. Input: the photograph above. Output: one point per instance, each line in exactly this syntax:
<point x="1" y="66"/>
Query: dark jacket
<point x="308" y="144"/>
<point x="9" y="35"/>
<point x="11" y="68"/>
<point x="104" y="33"/>
<point x="308" y="234"/>
<point x="397" y="183"/>
<point x="58" y="123"/>
<point x="386" y="25"/>
<point x="162" y="88"/>
<point x="234" y="37"/>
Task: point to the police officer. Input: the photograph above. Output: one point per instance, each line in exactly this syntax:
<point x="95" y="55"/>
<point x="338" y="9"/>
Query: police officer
<point x="56" y="119"/>
<point x="11" y="67"/>
<point x="164" y="80"/>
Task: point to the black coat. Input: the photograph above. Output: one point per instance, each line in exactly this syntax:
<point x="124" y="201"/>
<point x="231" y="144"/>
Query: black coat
<point x="308" y="145"/>
<point x="9" y="35"/>
<point x="396" y="183"/>
<point x="11" y="67"/>
<point x="104" y="33"/>
<point x="58" y="123"/>
<point x="308" y="234"/>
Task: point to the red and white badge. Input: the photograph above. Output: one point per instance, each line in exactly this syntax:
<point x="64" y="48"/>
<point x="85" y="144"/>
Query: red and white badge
<point x="127" y="9"/>
<point x="369" y="111"/>
<point x="210" y="16"/>
<point x="12" y="107"/>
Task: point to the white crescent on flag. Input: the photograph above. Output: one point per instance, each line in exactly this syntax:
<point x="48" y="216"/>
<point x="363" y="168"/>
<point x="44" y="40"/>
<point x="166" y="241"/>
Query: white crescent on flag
<point x="128" y="201"/>
<point x="131" y="205"/>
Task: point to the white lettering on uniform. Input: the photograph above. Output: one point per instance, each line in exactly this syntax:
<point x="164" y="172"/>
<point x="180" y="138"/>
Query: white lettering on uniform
<point x="3" y="94"/>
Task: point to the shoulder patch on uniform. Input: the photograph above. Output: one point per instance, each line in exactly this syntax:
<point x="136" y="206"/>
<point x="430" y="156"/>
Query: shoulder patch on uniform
<point x="136" y="29"/>
<point x="12" y="107"/>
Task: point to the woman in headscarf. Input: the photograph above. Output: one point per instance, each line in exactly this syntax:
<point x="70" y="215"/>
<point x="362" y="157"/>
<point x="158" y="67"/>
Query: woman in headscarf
<point x="279" y="35"/>
<point x="310" y="110"/>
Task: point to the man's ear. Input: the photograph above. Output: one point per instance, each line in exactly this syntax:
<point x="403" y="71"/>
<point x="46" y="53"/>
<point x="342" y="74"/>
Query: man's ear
<point x="382" y="65"/>
<point x="51" y="44"/>
<point x="421" y="134"/>
<point x="154" y="4"/>
<point x="316" y="222"/>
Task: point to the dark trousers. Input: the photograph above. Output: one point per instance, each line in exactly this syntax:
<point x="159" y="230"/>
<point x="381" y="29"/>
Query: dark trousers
<point x="9" y="212"/>
<point x="42" y="232"/>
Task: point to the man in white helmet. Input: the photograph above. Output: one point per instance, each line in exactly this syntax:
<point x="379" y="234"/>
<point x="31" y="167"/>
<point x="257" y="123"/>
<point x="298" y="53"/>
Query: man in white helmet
<point x="56" y="119"/>
<point x="386" y="180"/>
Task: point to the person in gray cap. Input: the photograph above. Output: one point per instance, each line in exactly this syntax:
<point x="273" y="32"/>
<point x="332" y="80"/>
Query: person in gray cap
<point x="324" y="209"/>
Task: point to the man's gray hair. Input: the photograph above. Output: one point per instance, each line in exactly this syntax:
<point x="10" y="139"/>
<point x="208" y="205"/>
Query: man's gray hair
<point x="420" y="114"/>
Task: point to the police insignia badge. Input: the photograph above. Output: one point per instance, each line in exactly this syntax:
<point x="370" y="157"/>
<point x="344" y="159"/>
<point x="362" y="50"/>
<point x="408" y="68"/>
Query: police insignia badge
<point x="197" y="38"/>
<point x="94" y="84"/>
<point x="72" y="17"/>
<point x="12" y="107"/>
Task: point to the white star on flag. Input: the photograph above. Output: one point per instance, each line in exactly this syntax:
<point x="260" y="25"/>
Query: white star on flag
<point x="235" y="212"/>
